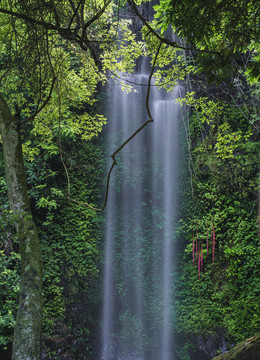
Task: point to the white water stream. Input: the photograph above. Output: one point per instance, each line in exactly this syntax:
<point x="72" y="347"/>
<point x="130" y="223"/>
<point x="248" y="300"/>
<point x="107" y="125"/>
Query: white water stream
<point x="140" y="222"/>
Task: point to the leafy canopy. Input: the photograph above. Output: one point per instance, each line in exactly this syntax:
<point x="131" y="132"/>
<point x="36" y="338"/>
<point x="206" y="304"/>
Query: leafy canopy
<point x="228" y="28"/>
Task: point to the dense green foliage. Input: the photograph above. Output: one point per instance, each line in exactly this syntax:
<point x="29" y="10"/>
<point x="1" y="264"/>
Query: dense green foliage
<point x="222" y="134"/>
<point x="224" y="187"/>
<point x="50" y="89"/>
<point x="70" y="242"/>
<point x="223" y="163"/>
<point x="9" y="268"/>
<point x="227" y="31"/>
<point x="222" y="101"/>
<point x="9" y="280"/>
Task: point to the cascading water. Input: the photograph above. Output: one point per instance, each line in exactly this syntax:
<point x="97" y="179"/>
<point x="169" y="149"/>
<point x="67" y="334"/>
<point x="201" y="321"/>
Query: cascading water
<point x="140" y="223"/>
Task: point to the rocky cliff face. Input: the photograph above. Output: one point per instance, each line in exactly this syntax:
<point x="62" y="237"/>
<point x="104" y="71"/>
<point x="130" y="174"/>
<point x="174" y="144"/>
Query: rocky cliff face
<point x="247" y="350"/>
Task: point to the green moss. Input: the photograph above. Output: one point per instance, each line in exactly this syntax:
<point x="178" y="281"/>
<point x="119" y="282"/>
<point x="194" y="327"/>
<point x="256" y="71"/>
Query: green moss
<point x="247" y="350"/>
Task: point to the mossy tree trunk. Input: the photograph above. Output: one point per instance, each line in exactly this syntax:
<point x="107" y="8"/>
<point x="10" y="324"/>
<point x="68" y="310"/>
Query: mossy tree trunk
<point x="26" y="344"/>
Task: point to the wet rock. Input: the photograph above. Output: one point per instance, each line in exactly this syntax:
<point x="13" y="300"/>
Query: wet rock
<point x="210" y="344"/>
<point x="57" y="345"/>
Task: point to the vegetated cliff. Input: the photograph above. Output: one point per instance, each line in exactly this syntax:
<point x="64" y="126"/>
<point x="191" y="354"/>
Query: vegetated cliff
<point x="246" y="350"/>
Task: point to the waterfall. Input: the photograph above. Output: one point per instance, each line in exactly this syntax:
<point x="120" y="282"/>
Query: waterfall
<point x="140" y="223"/>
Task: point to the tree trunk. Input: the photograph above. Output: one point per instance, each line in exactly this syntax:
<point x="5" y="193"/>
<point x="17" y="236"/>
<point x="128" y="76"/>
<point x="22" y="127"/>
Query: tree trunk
<point x="26" y="344"/>
<point x="246" y="350"/>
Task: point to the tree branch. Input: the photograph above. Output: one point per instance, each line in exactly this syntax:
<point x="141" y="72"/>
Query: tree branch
<point x="75" y="13"/>
<point x="52" y="85"/>
<point x="43" y="104"/>
<point x="162" y="39"/>
<point x="117" y="150"/>
<point x="29" y="19"/>
<point x="97" y="16"/>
